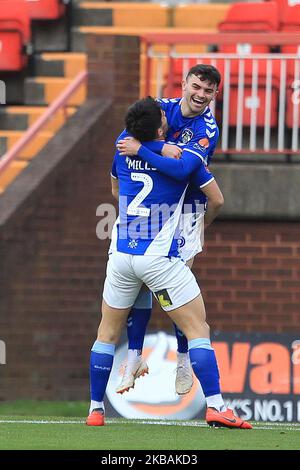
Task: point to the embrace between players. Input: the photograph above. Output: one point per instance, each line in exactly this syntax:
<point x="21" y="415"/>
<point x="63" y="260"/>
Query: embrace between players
<point x="164" y="206"/>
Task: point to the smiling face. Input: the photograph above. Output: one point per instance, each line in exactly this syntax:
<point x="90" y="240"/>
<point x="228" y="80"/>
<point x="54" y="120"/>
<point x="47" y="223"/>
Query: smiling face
<point x="197" y="94"/>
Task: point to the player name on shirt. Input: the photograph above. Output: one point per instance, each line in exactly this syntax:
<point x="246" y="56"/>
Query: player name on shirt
<point x="136" y="164"/>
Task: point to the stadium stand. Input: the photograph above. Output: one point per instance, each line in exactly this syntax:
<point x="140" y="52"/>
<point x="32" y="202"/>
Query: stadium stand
<point x="251" y="18"/>
<point x="49" y="73"/>
<point x="244" y="18"/>
<point x="42" y="80"/>
<point x="140" y="18"/>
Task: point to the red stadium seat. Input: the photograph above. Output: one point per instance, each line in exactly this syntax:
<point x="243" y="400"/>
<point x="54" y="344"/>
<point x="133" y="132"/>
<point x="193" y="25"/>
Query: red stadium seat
<point x="46" y="9"/>
<point x="283" y="5"/>
<point x="249" y="102"/>
<point x="249" y="18"/>
<point x="245" y="17"/>
<point x="15" y="34"/>
<point x="290" y="19"/>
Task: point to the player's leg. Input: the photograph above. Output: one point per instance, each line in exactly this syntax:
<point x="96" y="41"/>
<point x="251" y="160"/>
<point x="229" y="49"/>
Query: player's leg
<point x="120" y="290"/>
<point x="191" y="319"/>
<point x="184" y="373"/>
<point x="137" y="322"/>
<point x="101" y="359"/>
<point x="183" y="302"/>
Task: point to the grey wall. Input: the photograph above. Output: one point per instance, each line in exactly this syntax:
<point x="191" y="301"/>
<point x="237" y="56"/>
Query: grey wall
<point x="264" y="191"/>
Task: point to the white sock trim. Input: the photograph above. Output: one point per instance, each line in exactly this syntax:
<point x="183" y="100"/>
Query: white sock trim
<point x="96" y="404"/>
<point x="215" y="401"/>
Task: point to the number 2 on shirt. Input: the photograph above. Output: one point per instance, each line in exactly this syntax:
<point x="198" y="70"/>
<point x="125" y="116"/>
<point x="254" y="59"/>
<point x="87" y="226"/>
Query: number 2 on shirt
<point x="134" y="208"/>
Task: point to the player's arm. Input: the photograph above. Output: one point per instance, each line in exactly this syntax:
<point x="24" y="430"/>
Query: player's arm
<point x="179" y="170"/>
<point x="115" y="187"/>
<point x="214" y="203"/>
<point x="114" y="180"/>
<point x="125" y="146"/>
<point x="215" y="199"/>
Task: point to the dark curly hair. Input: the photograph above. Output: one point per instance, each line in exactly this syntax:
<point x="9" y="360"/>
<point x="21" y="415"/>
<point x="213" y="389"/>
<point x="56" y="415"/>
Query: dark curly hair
<point x="143" y="119"/>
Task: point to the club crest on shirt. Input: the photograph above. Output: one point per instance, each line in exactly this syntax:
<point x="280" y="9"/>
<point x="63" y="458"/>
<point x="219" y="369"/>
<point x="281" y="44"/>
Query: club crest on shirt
<point x="186" y="136"/>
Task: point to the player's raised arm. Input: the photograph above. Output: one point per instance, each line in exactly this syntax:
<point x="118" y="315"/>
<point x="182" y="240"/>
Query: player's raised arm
<point x="124" y="147"/>
<point x="179" y="170"/>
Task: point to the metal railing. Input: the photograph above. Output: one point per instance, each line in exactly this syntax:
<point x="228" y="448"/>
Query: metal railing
<point x="59" y="103"/>
<point x="258" y="106"/>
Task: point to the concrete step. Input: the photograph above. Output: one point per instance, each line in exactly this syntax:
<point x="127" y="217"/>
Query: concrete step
<point x="122" y="14"/>
<point x="9" y="138"/>
<point x="92" y="15"/>
<point x="20" y="118"/>
<point x="43" y="90"/>
<point x="64" y="64"/>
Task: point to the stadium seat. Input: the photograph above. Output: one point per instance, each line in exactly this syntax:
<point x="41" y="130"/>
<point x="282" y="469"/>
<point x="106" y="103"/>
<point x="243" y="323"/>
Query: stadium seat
<point x="290" y="20"/>
<point x="15" y="35"/>
<point x="283" y="4"/>
<point x="249" y="102"/>
<point x="46" y="9"/>
<point x="251" y="17"/>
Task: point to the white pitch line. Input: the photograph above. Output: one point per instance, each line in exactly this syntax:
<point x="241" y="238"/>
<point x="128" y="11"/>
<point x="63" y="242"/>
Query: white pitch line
<point x="260" y="425"/>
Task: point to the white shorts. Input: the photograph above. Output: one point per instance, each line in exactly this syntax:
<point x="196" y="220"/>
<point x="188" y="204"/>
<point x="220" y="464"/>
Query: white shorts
<point x="191" y="239"/>
<point x="170" y="280"/>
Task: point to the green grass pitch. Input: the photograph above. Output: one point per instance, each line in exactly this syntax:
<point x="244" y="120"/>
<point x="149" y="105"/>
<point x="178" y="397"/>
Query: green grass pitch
<point x="62" y="430"/>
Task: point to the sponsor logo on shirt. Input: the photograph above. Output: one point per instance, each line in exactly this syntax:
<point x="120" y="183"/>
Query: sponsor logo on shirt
<point x="163" y="298"/>
<point x="202" y="145"/>
<point x="204" y="142"/>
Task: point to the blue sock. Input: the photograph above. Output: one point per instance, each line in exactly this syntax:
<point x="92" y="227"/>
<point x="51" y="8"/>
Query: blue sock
<point x="138" y="319"/>
<point x="204" y="363"/>
<point x="182" y="342"/>
<point x="102" y="356"/>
